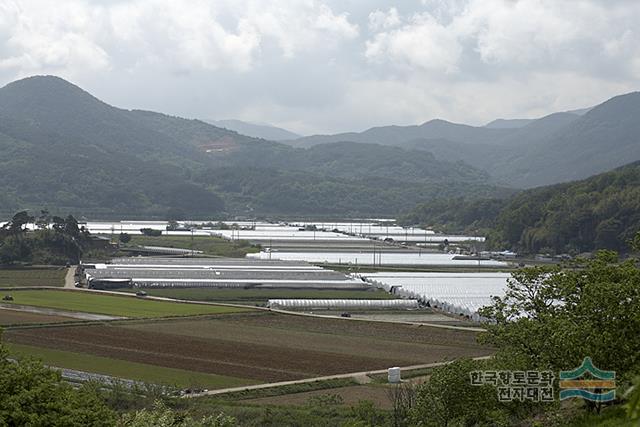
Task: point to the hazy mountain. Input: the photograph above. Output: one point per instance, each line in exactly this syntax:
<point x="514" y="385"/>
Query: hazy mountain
<point x="399" y="135"/>
<point x="605" y="137"/>
<point x="523" y="153"/>
<point x="62" y="148"/>
<point x="508" y="123"/>
<point x="255" y="130"/>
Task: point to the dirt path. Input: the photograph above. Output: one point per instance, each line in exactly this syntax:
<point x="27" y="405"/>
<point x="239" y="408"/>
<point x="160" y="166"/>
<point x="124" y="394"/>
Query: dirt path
<point x="354" y="375"/>
<point x="69" y="279"/>
<point x="54" y="312"/>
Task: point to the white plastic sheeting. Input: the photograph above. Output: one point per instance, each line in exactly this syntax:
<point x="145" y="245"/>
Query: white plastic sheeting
<point x="299" y="304"/>
<point x="382" y="258"/>
<point x="457" y="293"/>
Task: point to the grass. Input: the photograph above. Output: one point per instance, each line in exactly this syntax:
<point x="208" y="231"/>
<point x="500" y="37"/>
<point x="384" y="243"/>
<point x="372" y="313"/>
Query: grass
<point x="112" y="305"/>
<point x="260" y="296"/>
<point x="128" y="370"/>
<point x="10" y="277"/>
<point x="284" y="390"/>
<point x="208" y="245"/>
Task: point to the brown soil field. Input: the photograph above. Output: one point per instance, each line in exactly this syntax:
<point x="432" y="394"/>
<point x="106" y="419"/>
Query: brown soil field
<point x="350" y="396"/>
<point x="13" y="317"/>
<point x="263" y="346"/>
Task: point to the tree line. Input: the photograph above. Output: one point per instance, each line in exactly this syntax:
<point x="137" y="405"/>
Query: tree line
<point x="601" y="212"/>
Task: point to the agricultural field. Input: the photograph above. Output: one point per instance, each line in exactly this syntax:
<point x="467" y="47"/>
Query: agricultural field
<point x="208" y="245"/>
<point x="15" y="277"/>
<point x="258" y="346"/>
<point x="127" y="370"/>
<point x="260" y="296"/>
<point x="112" y="305"/>
<point x="13" y="317"/>
<point x="349" y="395"/>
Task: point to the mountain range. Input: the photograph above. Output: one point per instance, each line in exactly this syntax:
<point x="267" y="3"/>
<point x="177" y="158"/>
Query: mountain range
<point x="64" y="149"/>
<point x="256" y="130"/>
<point x="524" y="153"/>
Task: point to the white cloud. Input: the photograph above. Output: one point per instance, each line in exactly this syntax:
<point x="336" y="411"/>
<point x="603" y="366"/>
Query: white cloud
<point x="379" y="20"/>
<point x="422" y="42"/>
<point x="73" y="35"/>
<point x="330" y="65"/>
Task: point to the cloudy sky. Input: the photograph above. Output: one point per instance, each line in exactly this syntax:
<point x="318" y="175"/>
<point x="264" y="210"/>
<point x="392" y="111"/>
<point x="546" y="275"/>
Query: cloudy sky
<point x="324" y="66"/>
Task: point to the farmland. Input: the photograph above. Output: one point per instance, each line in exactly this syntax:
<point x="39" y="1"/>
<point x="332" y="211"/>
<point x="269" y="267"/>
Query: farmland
<point x="127" y="370"/>
<point x="260" y="296"/>
<point x="261" y="346"/>
<point x="112" y="305"/>
<point x="208" y="245"/>
<point x="15" y="277"/>
<point x="12" y="317"/>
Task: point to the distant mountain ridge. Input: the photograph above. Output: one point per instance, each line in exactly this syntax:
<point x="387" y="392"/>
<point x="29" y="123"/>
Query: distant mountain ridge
<point x="559" y="147"/>
<point x="64" y="149"/>
<point x="256" y="130"/>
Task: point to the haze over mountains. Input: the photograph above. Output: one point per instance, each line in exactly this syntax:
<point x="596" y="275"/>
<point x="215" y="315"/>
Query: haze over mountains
<point x="63" y="148"/>
<point x="256" y="130"/>
<point x="555" y="148"/>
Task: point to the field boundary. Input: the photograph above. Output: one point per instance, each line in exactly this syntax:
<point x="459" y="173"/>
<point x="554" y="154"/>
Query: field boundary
<point x="251" y="307"/>
<point x="352" y="375"/>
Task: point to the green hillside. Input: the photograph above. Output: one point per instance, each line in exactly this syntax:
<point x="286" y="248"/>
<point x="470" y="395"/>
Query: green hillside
<point x="64" y="149"/>
<point x="600" y="212"/>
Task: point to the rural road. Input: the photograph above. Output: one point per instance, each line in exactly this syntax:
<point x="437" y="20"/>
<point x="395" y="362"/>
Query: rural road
<point x="357" y="376"/>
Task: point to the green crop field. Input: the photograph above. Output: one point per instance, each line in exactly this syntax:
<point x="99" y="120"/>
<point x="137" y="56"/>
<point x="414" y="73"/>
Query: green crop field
<point x="208" y="245"/>
<point x="112" y="305"/>
<point x="127" y="370"/>
<point x="260" y="296"/>
<point x="10" y="277"/>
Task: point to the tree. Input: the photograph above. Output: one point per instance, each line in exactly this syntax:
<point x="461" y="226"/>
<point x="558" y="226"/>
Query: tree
<point x="448" y="398"/>
<point x="42" y="222"/>
<point x="151" y="232"/>
<point x="18" y="223"/>
<point x="161" y="416"/>
<point x="551" y="318"/>
<point x="125" y="238"/>
<point x="31" y="394"/>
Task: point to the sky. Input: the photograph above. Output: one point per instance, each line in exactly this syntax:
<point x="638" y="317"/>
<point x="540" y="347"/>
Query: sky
<point x="327" y="66"/>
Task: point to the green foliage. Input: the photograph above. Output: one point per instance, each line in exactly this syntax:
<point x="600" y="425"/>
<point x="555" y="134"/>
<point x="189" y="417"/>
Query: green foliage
<point x="601" y="212"/>
<point x="60" y="244"/>
<point x="292" y="191"/>
<point x="151" y="232"/>
<point x="162" y="416"/>
<point x="208" y="245"/>
<point x="449" y="399"/>
<point x="455" y="215"/>
<point x="633" y="400"/>
<point x="551" y="318"/>
<point x="124" y="238"/>
<point x="33" y="395"/>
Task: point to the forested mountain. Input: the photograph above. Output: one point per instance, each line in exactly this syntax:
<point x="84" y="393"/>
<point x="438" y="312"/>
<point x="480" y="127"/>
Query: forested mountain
<point x="556" y="148"/>
<point x="599" y="212"/>
<point x="64" y="149"/>
<point x="272" y="133"/>
<point x="399" y="135"/>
